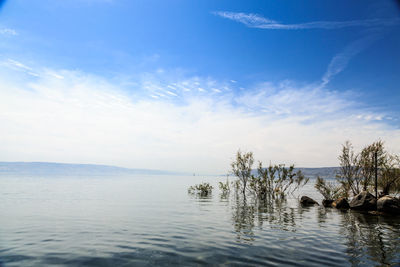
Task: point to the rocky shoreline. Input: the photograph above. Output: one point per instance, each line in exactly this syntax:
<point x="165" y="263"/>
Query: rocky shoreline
<point x="364" y="201"/>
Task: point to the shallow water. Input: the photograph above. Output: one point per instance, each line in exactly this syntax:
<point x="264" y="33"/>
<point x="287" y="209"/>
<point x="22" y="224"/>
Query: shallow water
<point x="152" y="220"/>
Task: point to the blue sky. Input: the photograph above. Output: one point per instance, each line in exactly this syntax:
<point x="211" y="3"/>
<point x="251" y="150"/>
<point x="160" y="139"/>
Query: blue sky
<point x="182" y="85"/>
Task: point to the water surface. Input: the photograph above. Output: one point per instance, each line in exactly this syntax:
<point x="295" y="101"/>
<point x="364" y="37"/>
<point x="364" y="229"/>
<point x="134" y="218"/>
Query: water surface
<point x="152" y="220"/>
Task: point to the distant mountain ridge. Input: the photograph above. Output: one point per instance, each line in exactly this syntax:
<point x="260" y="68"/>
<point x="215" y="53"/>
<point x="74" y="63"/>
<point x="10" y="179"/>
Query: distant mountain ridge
<point x="52" y="168"/>
<point x="324" y="172"/>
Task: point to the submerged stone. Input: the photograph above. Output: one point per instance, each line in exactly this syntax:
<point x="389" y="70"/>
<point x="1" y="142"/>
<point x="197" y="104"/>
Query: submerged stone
<point x="376" y="213"/>
<point x="364" y="201"/>
<point x="327" y="203"/>
<point x="341" y="203"/>
<point x="389" y="204"/>
<point x="307" y="201"/>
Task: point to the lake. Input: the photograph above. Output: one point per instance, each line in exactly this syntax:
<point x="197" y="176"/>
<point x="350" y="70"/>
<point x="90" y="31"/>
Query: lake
<point x="152" y="220"/>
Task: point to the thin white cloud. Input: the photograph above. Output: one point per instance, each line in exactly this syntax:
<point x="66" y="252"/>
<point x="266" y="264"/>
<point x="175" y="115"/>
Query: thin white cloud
<point x="304" y="103"/>
<point x="7" y="31"/>
<point x="171" y="87"/>
<point x="55" y="75"/>
<point x="19" y="66"/>
<point x="257" y="21"/>
<point x="89" y="119"/>
<point x="341" y="60"/>
<point x="171" y="93"/>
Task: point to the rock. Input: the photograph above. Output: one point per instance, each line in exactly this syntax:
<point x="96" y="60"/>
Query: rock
<point x="307" y="201"/>
<point x="363" y="201"/>
<point x="376" y="213"/>
<point x="388" y="204"/>
<point x="327" y="203"/>
<point x="341" y="203"/>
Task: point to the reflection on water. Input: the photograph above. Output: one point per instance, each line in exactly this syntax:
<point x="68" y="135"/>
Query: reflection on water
<point x="243" y="219"/>
<point x="250" y="212"/>
<point x="376" y="236"/>
<point x="154" y="221"/>
<point x="369" y="239"/>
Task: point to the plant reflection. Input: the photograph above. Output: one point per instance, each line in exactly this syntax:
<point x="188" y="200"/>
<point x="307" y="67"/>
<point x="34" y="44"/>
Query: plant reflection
<point x="369" y="239"/>
<point x="248" y="213"/>
<point x="376" y="237"/>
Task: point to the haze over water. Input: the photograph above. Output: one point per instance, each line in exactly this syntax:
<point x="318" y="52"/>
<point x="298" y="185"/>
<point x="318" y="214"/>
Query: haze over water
<point x="152" y="220"/>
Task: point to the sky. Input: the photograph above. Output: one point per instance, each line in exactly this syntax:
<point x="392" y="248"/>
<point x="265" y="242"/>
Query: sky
<point x="182" y="85"/>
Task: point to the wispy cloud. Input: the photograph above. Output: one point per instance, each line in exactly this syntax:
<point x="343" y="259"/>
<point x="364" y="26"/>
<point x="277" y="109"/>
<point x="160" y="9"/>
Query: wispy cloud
<point x="16" y="65"/>
<point x="341" y="60"/>
<point x="257" y="21"/>
<point x="7" y="31"/>
<point x="72" y="116"/>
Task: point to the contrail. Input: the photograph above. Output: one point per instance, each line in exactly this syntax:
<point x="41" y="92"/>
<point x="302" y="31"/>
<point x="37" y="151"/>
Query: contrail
<point x="257" y="21"/>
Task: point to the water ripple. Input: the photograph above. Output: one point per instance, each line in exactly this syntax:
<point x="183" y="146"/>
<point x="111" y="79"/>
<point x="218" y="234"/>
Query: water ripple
<point x="108" y="225"/>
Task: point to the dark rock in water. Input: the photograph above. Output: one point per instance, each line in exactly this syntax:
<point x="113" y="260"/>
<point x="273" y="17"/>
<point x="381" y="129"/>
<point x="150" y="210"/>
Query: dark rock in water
<point x="341" y="203"/>
<point x="363" y="201"/>
<point x="307" y="201"/>
<point x="327" y="203"/>
<point x="388" y="204"/>
<point x="376" y="213"/>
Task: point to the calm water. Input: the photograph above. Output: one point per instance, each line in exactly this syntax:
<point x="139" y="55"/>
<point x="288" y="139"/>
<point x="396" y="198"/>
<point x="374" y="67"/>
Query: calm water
<point x="151" y="220"/>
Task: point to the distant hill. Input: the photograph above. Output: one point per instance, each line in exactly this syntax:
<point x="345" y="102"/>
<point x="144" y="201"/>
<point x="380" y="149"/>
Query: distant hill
<point x="324" y="172"/>
<point x="49" y="168"/>
<point x="60" y="169"/>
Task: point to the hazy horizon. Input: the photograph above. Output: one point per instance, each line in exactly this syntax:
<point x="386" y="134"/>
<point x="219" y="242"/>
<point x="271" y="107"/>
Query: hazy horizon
<point x="59" y="168"/>
<point x="181" y="86"/>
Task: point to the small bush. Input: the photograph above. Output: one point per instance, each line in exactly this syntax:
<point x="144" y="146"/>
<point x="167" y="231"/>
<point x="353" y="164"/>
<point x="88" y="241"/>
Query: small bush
<point x="328" y="190"/>
<point x="276" y="181"/>
<point x="241" y="168"/>
<point x="357" y="170"/>
<point x="224" y="187"/>
<point x="203" y="189"/>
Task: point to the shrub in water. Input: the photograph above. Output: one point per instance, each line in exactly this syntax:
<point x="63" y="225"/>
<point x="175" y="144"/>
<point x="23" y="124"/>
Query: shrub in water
<point x="274" y="181"/>
<point x="328" y="190"/>
<point x="224" y="187"/>
<point x="203" y="189"/>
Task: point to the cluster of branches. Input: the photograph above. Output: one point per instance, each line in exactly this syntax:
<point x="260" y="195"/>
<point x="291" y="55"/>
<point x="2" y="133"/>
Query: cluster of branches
<point x="203" y="189"/>
<point x="224" y="187"/>
<point x="274" y="181"/>
<point x="357" y="172"/>
<point x="329" y="190"/>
